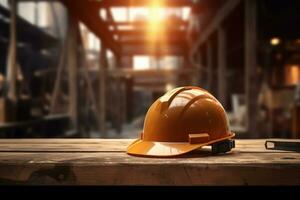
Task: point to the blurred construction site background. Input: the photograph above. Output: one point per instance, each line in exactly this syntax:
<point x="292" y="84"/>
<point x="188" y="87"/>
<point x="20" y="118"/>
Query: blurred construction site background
<point x="91" y="68"/>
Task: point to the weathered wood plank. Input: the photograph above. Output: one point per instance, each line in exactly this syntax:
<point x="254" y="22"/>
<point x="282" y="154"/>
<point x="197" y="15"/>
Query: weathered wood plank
<point x="86" y="145"/>
<point x="66" y="161"/>
<point x="236" y="158"/>
<point x="111" y="169"/>
<point x="150" y="175"/>
<point x="55" y="145"/>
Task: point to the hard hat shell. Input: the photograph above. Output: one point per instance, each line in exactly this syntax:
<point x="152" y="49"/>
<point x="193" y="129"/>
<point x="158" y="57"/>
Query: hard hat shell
<point x="182" y="120"/>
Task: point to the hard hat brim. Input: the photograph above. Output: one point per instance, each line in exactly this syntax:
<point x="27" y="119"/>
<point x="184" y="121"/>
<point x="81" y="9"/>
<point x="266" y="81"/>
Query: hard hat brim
<point x="166" y="149"/>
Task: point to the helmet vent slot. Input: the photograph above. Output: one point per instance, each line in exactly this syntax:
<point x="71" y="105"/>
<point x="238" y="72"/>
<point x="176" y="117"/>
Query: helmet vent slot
<point x="170" y="96"/>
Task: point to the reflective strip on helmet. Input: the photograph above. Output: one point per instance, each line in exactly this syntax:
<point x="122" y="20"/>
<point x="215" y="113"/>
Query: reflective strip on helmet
<point x="198" y="138"/>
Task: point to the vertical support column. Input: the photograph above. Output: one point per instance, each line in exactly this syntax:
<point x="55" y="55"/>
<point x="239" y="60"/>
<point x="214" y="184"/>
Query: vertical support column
<point x="102" y="89"/>
<point x="123" y="89"/>
<point x="124" y="101"/>
<point x="36" y="13"/>
<point x="129" y="98"/>
<point x="200" y="68"/>
<point x="119" y="96"/>
<point x="222" y="65"/>
<point x="157" y="61"/>
<point x="209" y="65"/>
<point x="250" y="67"/>
<point x="11" y="73"/>
<point x="59" y="73"/>
<point x="184" y="79"/>
<point x="72" y="71"/>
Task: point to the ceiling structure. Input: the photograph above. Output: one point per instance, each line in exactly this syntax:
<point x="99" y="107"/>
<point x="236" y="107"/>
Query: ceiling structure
<point x="125" y="26"/>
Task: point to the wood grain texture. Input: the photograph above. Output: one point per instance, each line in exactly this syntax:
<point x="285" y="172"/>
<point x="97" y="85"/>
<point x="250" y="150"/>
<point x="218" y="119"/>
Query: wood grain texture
<point x="104" y="162"/>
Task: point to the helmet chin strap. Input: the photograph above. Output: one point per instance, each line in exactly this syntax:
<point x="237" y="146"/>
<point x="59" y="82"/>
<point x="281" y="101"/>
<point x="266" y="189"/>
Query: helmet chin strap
<point x="223" y="146"/>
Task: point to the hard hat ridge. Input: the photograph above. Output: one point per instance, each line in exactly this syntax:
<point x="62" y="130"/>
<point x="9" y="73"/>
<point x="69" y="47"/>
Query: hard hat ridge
<point x="182" y="120"/>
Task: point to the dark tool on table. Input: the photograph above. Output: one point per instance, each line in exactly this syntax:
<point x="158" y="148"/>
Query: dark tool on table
<point x="283" y="144"/>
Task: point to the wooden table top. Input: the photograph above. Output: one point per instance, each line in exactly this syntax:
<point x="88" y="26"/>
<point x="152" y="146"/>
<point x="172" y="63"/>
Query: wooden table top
<point x="104" y="162"/>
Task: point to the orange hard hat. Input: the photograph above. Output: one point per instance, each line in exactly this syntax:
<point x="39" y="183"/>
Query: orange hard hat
<point x="182" y="120"/>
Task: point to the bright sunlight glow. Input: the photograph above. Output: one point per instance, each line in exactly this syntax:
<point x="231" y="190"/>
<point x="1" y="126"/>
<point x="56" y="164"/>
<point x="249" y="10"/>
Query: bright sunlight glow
<point x="155" y="17"/>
